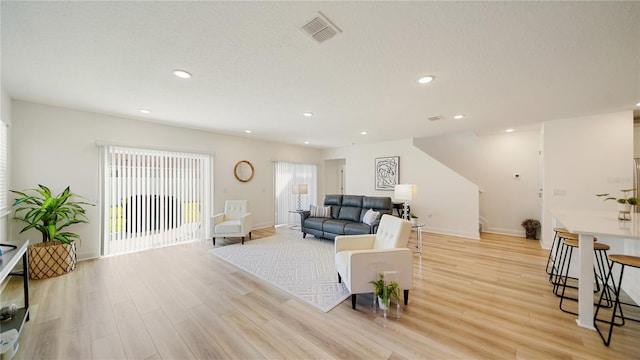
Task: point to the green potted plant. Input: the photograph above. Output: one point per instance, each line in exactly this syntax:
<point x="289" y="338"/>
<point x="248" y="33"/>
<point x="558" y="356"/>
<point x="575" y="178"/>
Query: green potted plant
<point x="385" y="292"/>
<point x="624" y="203"/>
<point x="413" y="218"/>
<point x="531" y="227"/>
<point x="50" y="215"/>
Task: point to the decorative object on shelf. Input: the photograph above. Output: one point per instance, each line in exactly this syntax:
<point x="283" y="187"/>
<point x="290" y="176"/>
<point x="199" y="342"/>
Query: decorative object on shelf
<point x="300" y="189"/>
<point x="624" y="203"/>
<point x="387" y="172"/>
<point x="531" y="227"/>
<point x="414" y="218"/>
<point x="49" y="214"/>
<point x="6" y="312"/>
<point x="243" y="170"/>
<point x="405" y="193"/>
<point x="384" y="292"/>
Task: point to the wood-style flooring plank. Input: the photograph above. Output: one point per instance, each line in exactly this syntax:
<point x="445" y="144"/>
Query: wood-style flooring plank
<point x="471" y="299"/>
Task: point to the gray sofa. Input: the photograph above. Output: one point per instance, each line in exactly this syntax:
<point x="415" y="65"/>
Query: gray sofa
<point x="347" y="212"/>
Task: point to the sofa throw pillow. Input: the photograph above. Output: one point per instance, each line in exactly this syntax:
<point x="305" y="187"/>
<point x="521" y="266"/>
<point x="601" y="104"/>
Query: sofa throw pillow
<point x="320" y="211"/>
<point x="370" y="216"/>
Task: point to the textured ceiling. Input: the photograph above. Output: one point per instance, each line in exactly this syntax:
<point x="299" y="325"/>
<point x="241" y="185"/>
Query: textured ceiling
<point x="502" y="64"/>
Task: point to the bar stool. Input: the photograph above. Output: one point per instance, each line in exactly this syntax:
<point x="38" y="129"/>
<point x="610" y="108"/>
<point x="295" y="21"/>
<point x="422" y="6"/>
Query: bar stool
<point x="556" y="271"/>
<point x="623" y="260"/>
<point x="555" y="244"/>
<point x="600" y="270"/>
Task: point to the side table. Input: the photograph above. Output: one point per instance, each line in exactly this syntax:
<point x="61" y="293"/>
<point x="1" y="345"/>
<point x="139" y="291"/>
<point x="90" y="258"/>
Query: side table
<point x="296" y="227"/>
<point x="418" y="227"/>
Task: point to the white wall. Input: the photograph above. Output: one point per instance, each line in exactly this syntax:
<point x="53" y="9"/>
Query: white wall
<point x="5" y="112"/>
<point x="446" y="202"/>
<point x="492" y="161"/>
<point x="57" y="147"/>
<point x="636" y="141"/>
<point x="583" y="157"/>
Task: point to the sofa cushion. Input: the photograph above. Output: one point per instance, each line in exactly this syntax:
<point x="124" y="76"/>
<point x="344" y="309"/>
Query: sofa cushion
<point x="229" y="226"/>
<point x="333" y="200"/>
<point x="352" y="200"/>
<point x="356" y="229"/>
<point x="334" y="226"/>
<point x="349" y="213"/>
<point x="314" y="223"/>
<point x="378" y="203"/>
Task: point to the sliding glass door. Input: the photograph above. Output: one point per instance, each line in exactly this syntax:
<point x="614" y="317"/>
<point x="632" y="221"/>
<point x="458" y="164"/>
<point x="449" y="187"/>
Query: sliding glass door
<point x="154" y="198"/>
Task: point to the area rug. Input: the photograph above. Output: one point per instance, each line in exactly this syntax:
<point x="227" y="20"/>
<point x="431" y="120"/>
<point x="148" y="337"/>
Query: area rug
<point x="304" y="268"/>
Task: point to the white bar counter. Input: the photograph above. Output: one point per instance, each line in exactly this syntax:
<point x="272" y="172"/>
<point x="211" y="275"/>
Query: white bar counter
<point x="587" y="224"/>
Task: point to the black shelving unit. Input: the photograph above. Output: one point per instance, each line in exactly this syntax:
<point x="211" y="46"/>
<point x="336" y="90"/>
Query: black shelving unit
<point x="12" y="253"/>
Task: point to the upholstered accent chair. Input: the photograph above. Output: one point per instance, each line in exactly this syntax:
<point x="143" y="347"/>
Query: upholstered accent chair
<point x="359" y="258"/>
<point x="236" y="221"/>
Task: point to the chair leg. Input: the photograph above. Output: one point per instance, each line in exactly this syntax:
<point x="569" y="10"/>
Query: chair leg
<point x="339" y="278"/>
<point x="243" y="240"/>
<point x="214" y="241"/>
<point x="353" y="301"/>
<point x="406" y="297"/>
<point x="249" y="235"/>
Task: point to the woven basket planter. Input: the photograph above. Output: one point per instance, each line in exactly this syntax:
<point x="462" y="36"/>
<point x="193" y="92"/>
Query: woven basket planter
<point x="51" y="258"/>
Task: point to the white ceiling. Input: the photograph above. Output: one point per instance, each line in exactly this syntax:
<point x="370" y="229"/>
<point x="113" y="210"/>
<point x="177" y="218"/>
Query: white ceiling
<point x="503" y="64"/>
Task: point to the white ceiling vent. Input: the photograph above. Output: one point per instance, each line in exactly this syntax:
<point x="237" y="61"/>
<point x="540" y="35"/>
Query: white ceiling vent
<point x="320" y="28"/>
<point x="436" y="118"/>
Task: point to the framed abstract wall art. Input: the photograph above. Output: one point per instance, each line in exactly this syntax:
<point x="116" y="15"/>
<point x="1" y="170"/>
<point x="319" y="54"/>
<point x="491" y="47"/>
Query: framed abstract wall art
<point x="387" y="172"/>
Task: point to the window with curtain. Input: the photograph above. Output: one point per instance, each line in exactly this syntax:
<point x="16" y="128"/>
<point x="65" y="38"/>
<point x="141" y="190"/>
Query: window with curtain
<point x="287" y="178"/>
<point x="4" y="170"/>
<point x="154" y="198"/>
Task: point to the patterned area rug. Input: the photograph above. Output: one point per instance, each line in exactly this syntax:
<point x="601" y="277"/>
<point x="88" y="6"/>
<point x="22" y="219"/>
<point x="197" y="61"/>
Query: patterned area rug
<point x="304" y="268"/>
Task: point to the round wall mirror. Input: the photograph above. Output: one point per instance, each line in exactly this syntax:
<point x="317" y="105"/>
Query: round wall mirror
<point x="243" y="170"/>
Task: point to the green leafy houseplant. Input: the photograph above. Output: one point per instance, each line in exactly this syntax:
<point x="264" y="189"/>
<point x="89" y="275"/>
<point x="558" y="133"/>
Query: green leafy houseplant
<point x="623" y="200"/>
<point x="385" y="292"/>
<point x="50" y="214"/>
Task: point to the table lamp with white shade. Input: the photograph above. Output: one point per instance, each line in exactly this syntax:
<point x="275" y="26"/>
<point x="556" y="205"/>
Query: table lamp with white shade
<point x="300" y="189"/>
<point x="405" y="193"/>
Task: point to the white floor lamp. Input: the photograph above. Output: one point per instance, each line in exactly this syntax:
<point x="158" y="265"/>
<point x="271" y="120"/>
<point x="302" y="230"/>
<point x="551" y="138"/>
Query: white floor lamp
<point x="300" y="189"/>
<point x="405" y="193"/>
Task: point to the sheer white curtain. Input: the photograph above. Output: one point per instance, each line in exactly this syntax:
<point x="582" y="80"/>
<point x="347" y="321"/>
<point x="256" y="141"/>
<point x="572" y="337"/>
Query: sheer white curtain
<point x="154" y="198"/>
<point x="287" y="175"/>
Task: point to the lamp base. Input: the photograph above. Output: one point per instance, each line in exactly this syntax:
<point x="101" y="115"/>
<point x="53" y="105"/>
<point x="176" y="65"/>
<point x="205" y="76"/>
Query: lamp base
<point x="405" y="211"/>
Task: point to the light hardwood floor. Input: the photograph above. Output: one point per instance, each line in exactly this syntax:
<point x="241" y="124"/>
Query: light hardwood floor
<point x="487" y="299"/>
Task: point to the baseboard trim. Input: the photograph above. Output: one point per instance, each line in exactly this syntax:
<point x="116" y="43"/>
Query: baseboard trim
<point x="461" y="234"/>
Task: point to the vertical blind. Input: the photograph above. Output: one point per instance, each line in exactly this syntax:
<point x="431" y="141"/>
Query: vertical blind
<point x="154" y="198"/>
<point x="287" y="175"/>
<point x="4" y="170"/>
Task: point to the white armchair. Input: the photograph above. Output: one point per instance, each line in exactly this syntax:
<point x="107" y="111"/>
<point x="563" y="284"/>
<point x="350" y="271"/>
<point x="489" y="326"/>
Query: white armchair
<point x="360" y="257"/>
<point x="234" y="222"/>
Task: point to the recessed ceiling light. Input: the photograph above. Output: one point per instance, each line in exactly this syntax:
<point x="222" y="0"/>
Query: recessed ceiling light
<point x="426" y="79"/>
<point x="638" y="104"/>
<point x="307" y="114"/>
<point x="145" y="111"/>
<point x="363" y="133"/>
<point x="306" y="143"/>
<point x="509" y="130"/>
<point x="181" y="74"/>
<point x="459" y="116"/>
<point x="248" y="131"/>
